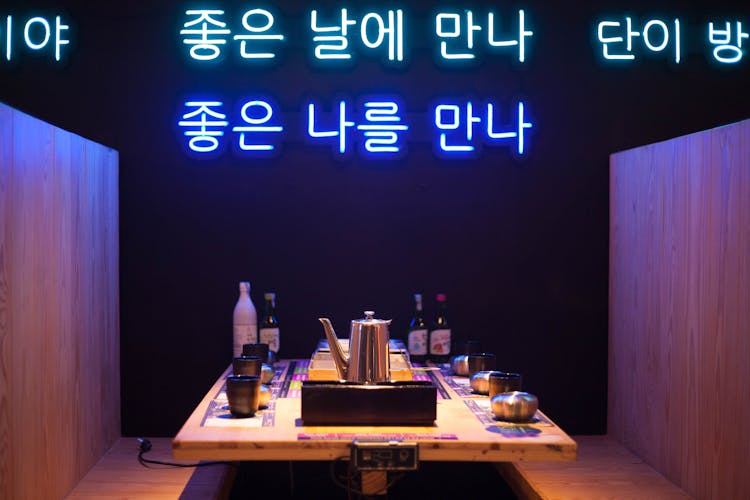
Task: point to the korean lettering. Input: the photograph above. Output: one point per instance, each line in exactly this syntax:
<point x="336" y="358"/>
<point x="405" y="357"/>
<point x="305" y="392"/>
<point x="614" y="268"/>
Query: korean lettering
<point x="518" y="133"/>
<point x="332" y="46"/>
<point x="394" y="30"/>
<point x="457" y="40"/>
<point x="382" y="127"/>
<point x="340" y="131"/>
<point x="726" y="51"/>
<point x="449" y="119"/>
<point x="617" y="38"/>
<point x="332" y="41"/>
<point x="204" y="124"/>
<point x="256" y="125"/>
<point x="259" y="32"/>
<point x="208" y="31"/>
<point x="37" y="34"/>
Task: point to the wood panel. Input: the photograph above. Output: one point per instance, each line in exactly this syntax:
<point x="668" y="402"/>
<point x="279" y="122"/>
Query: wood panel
<point x="679" y="333"/>
<point x="120" y="476"/>
<point x="6" y="163"/>
<point x="59" y="306"/>
<point x="604" y="469"/>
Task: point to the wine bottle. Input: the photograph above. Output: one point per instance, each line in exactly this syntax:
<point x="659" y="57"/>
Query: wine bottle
<point x="417" y="337"/>
<point x="269" y="327"/>
<point x="244" y="320"/>
<point x="440" y="333"/>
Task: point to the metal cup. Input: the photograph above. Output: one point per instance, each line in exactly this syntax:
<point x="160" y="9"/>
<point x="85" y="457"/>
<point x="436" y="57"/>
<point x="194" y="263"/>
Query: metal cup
<point x="247" y="365"/>
<point x="500" y="382"/>
<point x="514" y="406"/>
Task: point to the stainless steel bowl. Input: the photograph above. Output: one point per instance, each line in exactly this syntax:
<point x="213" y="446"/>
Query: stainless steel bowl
<point x="266" y="374"/>
<point x="460" y="365"/>
<point x="264" y="396"/>
<point x="480" y="382"/>
<point x="514" y="406"/>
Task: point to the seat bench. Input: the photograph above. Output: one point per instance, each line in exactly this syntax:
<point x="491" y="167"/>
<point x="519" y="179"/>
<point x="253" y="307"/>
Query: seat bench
<point x="604" y="469"/>
<point x="119" y="475"/>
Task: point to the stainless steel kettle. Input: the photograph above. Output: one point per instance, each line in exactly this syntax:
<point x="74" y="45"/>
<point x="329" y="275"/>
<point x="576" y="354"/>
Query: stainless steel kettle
<point x="369" y="356"/>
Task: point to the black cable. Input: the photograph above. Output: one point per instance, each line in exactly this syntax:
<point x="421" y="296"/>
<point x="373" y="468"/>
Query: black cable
<point x="353" y="489"/>
<point x="145" y="446"/>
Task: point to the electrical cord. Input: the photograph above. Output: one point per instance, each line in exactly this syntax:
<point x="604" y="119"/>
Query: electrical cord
<point x="144" y="446"/>
<point x="356" y="488"/>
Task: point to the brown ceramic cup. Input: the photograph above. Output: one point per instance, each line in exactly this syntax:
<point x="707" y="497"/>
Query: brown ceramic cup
<point x="243" y="395"/>
<point x="481" y="362"/>
<point x="500" y="382"/>
<point x="247" y="365"/>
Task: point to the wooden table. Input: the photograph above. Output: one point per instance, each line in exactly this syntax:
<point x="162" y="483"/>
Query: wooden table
<point x="464" y="430"/>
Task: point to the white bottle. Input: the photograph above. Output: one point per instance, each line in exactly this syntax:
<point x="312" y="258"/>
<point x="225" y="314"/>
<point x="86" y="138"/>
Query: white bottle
<point x="245" y="320"/>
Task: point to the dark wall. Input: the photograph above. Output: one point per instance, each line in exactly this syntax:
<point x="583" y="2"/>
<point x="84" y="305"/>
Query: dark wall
<point x="520" y="247"/>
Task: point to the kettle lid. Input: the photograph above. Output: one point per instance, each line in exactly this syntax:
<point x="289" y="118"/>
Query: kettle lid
<point x="370" y="319"/>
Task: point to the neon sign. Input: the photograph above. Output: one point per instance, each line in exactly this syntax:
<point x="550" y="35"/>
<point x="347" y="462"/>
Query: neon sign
<point x="375" y="125"/>
<point x="726" y="51"/>
<point x="341" y="35"/>
<point x="624" y="39"/>
<point x="33" y="34"/>
<point x="452" y="47"/>
<point x="617" y="38"/>
<point x="448" y="117"/>
<point x="459" y="39"/>
<point x="332" y="40"/>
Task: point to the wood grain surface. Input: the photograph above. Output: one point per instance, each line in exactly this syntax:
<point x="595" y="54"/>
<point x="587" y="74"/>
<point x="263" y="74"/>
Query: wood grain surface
<point x="475" y="441"/>
<point x="679" y="345"/>
<point x="59" y="306"/>
<point x="119" y="476"/>
<point x="604" y="470"/>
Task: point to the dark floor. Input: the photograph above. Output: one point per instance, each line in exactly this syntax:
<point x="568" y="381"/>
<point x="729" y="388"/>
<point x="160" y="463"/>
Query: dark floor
<point x="433" y="480"/>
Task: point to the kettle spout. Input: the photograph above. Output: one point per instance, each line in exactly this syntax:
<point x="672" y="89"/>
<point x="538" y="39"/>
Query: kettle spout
<point x="337" y="353"/>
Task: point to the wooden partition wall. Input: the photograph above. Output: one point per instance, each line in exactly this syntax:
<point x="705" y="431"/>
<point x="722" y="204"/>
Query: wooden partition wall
<point x="679" y="333"/>
<point x="59" y="306"/>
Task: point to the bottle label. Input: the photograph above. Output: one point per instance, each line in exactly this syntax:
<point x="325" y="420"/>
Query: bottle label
<point x="418" y="342"/>
<point x="270" y="336"/>
<point x="244" y="334"/>
<point x="440" y="342"/>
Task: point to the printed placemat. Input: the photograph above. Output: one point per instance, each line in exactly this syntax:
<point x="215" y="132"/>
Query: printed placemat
<point x="350" y="436"/>
<point x="460" y="385"/>
<point x="218" y="415"/>
<point x="427" y="375"/>
<point x="481" y="408"/>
